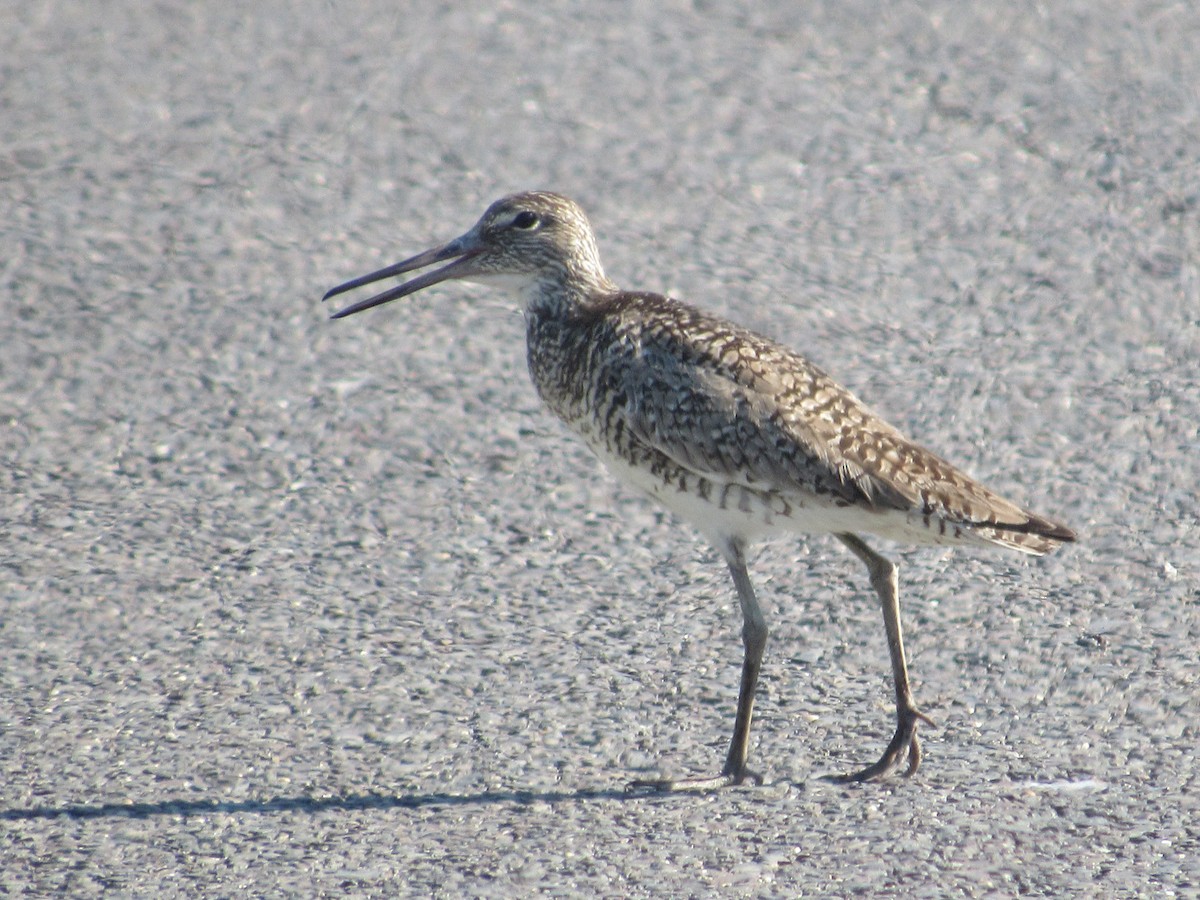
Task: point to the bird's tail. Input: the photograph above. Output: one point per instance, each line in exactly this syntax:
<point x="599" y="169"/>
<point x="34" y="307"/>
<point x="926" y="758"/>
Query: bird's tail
<point x="1036" y="535"/>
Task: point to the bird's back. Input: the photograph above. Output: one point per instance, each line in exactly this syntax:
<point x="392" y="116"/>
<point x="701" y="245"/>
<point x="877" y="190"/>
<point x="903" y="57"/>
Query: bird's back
<point x="691" y="407"/>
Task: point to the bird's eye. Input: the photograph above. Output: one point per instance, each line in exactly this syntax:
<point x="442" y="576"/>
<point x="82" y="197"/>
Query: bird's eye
<point x="525" y="220"/>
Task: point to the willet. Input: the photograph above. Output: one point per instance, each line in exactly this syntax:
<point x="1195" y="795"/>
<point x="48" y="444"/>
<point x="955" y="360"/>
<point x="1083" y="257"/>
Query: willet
<point x="733" y="432"/>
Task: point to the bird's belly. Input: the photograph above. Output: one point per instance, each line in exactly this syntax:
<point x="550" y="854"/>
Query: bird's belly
<point x="724" y="508"/>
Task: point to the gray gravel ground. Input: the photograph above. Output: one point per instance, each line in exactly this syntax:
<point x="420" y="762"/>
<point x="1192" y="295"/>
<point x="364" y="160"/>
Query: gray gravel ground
<point x="294" y="606"/>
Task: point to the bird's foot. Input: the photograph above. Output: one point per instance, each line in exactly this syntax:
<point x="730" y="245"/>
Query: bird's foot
<point x="698" y="783"/>
<point x="904" y="742"/>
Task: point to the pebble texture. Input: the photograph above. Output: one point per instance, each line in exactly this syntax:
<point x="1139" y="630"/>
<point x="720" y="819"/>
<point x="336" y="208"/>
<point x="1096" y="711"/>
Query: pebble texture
<point x="332" y="608"/>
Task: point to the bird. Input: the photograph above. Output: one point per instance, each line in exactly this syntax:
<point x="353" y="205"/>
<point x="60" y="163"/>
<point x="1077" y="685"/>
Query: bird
<point x="731" y="431"/>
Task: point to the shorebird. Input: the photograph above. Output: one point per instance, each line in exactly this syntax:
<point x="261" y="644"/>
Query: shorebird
<point x="731" y="431"/>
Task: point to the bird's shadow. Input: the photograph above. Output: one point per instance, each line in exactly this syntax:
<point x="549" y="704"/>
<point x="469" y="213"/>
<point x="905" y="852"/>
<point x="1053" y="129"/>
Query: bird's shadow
<point x="306" y="804"/>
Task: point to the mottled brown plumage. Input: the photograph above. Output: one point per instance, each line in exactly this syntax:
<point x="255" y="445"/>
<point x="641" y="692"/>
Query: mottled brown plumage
<point x="734" y="432"/>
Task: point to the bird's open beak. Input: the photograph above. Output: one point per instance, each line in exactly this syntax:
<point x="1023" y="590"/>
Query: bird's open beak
<point x="462" y="250"/>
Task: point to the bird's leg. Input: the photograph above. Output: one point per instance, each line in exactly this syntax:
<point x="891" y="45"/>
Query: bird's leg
<point x="754" y="638"/>
<point x="904" y="742"/>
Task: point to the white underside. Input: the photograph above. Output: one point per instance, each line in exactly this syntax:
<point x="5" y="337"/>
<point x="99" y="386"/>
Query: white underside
<point x="737" y="512"/>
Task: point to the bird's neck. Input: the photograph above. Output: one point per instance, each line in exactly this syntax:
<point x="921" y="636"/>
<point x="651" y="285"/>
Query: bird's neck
<point x="558" y="296"/>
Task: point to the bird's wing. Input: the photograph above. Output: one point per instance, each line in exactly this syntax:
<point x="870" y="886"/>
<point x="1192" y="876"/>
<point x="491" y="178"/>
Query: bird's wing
<point x="737" y="406"/>
<point x="756" y="413"/>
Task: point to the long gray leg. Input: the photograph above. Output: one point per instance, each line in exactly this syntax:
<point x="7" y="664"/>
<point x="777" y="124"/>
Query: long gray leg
<point x="754" y="639"/>
<point x="883" y="579"/>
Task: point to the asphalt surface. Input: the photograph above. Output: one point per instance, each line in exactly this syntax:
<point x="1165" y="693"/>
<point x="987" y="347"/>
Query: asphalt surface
<point x="293" y="606"/>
